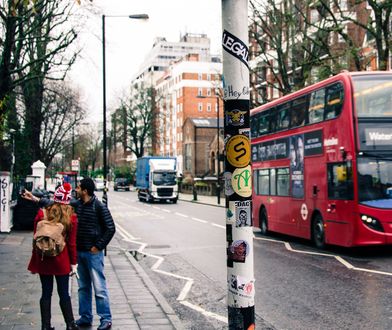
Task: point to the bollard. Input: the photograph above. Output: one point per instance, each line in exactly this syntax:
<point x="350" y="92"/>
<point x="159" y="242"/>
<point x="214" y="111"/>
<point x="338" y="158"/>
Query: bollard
<point x="194" y="191"/>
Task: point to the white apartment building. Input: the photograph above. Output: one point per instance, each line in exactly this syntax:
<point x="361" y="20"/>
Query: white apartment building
<point x="164" y="52"/>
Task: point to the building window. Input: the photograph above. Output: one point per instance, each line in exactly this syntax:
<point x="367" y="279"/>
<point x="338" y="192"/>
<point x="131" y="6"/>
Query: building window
<point x="208" y="77"/>
<point x="340" y="37"/>
<point x="208" y="91"/>
<point x="200" y="107"/>
<point x="343" y="5"/>
<point x="200" y="92"/>
<point x="200" y="76"/>
<point x="314" y="15"/>
<point x="216" y="107"/>
<point x="208" y="107"/>
<point x="275" y="91"/>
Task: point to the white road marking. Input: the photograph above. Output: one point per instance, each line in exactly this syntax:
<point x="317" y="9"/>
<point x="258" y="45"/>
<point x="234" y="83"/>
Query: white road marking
<point x="204" y="312"/>
<point x="338" y="258"/>
<point x="219" y="226"/>
<point x="124" y="233"/>
<point x="189" y="281"/>
<point x="181" y="215"/>
<point x="199" y="220"/>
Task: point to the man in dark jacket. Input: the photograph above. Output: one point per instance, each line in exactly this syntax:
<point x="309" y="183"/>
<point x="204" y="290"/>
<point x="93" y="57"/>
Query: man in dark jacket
<point x="95" y="230"/>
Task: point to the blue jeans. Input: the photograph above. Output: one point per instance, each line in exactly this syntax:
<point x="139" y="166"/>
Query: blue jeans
<point x="90" y="271"/>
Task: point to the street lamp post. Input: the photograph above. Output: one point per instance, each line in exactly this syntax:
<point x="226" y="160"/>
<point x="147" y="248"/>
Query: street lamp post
<point x="217" y="151"/>
<point x="137" y="16"/>
<point x="73" y="142"/>
<point x="12" y="133"/>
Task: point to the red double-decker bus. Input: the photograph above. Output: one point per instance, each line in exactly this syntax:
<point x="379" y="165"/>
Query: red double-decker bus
<point x="322" y="161"/>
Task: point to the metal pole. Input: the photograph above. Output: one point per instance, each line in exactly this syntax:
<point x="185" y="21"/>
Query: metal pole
<point x="12" y="132"/>
<point x="217" y="153"/>
<point x="104" y="198"/>
<point x="73" y="142"/>
<point x="136" y="16"/>
<point x="238" y="190"/>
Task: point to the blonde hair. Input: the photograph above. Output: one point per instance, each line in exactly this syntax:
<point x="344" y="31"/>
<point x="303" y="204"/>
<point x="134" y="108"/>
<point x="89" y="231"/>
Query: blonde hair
<point x="60" y="213"/>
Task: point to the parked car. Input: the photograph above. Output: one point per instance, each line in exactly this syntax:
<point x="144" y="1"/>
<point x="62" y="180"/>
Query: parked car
<point x="99" y="185"/>
<point x="121" y="183"/>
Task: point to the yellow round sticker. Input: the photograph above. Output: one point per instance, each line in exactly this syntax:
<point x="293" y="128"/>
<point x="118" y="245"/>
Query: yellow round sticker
<point x="238" y="150"/>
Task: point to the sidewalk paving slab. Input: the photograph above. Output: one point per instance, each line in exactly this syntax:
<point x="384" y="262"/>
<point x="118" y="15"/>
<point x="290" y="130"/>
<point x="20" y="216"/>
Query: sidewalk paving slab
<point x="135" y="301"/>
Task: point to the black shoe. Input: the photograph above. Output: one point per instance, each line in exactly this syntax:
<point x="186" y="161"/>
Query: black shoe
<point x="83" y="324"/>
<point x="105" y="325"/>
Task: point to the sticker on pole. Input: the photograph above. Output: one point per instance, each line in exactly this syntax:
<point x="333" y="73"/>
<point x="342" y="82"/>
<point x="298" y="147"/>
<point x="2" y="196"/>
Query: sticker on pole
<point x="242" y="213"/>
<point x="238" y="251"/>
<point x="235" y="47"/>
<point x="238" y="151"/>
<point x="230" y="213"/>
<point x="235" y="117"/>
<point x="241" y="181"/>
<point x="241" y="286"/>
<point x="228" y="188"/>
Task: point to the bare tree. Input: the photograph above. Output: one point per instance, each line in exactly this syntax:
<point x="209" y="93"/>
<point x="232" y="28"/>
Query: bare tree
<point x="62" y="112"/>
<point x="288" y="46"/>
<point x="43" y="57"/>
<point x="300" y="42"/>
<point x="373" y="22"/>
<point x="135" y="118"/>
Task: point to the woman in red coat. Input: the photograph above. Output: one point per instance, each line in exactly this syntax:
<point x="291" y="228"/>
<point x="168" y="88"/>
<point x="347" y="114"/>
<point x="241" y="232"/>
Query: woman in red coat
<point x="61" y="266"/>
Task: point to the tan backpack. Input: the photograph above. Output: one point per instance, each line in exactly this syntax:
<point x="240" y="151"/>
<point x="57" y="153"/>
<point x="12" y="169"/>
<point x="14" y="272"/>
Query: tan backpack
<point x="48" y="239"/>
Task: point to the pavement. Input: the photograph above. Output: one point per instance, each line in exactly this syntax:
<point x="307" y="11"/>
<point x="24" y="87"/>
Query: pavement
<point x="135" y="301"/>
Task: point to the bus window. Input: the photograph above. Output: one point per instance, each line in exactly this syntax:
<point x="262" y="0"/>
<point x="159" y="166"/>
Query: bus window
<point x="373" y="96"/>
<point x="340" y="183"/>
<point x="263" y="123"/>
<point x="254" y="126"/>
<point x="273" y="120"/>
<point x="375" y="181"/>
<point x="334" y="104"/>
<point x="263" y="182"/>
<point x="283" y="116"/>
<point x="316" y="106"/>
<point x="298" y="111"/>
<point x="283" y="181"/>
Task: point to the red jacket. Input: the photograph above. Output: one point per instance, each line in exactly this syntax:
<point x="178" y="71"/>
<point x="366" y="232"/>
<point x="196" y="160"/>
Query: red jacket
<point x="61" y="264"/>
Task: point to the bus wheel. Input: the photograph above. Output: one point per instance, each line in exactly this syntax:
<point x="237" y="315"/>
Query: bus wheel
<point x="318" y="232"/>
<point x="263" y="222"/>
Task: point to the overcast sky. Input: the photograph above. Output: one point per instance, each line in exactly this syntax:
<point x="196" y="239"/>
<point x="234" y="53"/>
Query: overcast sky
<point x="129" y="41"/>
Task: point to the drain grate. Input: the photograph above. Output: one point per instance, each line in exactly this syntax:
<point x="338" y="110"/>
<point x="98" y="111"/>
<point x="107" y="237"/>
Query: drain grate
<point x="157" y="247"/>
<point x="137" y="255"/>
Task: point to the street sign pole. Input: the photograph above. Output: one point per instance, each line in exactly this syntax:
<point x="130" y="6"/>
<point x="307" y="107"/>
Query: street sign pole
<point x="238" y="177"/>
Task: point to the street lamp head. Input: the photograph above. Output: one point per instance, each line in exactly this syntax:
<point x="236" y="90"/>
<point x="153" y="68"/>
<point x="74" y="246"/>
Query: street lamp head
<point x="139" y="16"/>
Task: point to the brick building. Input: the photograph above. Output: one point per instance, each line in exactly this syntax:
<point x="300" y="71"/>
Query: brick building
<point x="187" y="89"/>
<point x="200" y="147"/>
